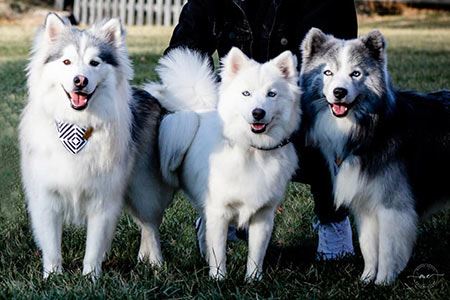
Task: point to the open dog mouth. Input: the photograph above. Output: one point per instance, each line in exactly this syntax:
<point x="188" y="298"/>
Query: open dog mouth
<point x="78" y="99"/>
<point x="258" y="127"/>
<point x="339" y="110"/>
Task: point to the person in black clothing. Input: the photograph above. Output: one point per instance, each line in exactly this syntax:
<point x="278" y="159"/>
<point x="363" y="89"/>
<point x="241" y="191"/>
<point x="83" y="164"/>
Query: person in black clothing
<point x="262" y="29"/>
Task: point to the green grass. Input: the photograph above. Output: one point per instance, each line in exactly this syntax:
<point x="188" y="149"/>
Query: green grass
<point x="419" y="57"/>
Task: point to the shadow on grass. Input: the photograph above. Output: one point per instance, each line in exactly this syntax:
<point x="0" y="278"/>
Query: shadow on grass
<point x="288" y="256"/>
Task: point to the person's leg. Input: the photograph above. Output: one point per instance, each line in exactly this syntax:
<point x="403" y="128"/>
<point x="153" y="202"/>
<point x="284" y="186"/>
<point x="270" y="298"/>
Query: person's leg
<point x="322" y="188"/>
<point x="333" y="226"/>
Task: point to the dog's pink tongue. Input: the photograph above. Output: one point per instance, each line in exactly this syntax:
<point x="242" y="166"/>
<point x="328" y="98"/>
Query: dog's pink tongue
<point x="78" y="100"/>
<point x="258" y="126"/>
<point x="339" y="109"/>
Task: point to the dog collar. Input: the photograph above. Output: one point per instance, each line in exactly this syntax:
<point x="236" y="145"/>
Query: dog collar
<point x="282" y="144"/>
<point x="73" y="137"/>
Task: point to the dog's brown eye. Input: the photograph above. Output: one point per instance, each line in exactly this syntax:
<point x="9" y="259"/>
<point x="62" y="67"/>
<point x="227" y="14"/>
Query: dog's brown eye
<point x="246" y="93"/>
<point x="355" y="74"/>
<point x="94" y="63"/>
<point x="328" y="73"/>
<point x="67" y="62"/>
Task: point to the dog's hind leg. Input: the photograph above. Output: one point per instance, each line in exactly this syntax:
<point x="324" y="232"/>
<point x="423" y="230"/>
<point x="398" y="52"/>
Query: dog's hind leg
<point x="368" y="229"/>
<point x="148" y="197"/>
<point x="397" y="236"/>
<point x="259" y="232"/>
<point x="101" y="224"/>
<point x="150" y="248"/>
<point x="47" y="222"/>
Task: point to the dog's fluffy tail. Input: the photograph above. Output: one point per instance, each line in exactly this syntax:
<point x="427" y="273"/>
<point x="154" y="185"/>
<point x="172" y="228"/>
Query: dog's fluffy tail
<point x="176" y="133"/>
<point x="187" y="82"/>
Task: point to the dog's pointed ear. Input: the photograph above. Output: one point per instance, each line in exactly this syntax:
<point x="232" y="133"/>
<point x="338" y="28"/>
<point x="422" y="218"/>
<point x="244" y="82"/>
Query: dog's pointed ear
<point x="113" y="32"/>
<point x="312" y="43"/>
<point x="286" y="62"/>
<point x="53" y="26"/>
<point x="232" y="63"/>
<point x="374" y="41"/>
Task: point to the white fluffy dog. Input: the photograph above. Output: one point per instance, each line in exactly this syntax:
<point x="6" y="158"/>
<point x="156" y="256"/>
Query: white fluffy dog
<point x="227" y="145"/>
<point x="81" y="133"/>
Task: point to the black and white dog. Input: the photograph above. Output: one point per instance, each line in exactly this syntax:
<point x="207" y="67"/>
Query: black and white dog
<point x="388" y="150"/>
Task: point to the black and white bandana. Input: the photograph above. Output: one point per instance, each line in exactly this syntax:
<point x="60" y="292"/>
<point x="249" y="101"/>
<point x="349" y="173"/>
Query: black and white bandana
<point x="73" y="137"/>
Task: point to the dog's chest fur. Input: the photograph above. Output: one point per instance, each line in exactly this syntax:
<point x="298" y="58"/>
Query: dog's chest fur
<point x="232" y="179"/>
<point x="99" y="156"/>
<point x="331" y="134"/>
<point x="245" y="180"/>
<point x="74" y="179"/>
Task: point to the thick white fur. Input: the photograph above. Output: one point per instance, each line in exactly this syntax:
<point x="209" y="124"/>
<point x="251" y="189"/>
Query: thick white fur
<point x="182" y="127"/>
<point x="226" y="178"/>
<point x="185" y="89"/>
<point x="387" y="231"/>
<point x="84" y="188"/>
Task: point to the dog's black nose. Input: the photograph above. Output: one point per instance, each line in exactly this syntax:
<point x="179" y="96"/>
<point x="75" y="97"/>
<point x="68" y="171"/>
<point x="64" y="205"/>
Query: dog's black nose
<point x="258" y="114"/>
<point x="340" y="93"/>
<point x="80" y="81"/>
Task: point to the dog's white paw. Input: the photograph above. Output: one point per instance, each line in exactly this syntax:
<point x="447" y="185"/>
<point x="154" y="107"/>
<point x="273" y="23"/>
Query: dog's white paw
<point x="368" y="275"/>
<point x="52" y="270"/>
<point x="216" y="274"/>
<point x="94" y="271"/>
<point x="253" y="276"/>
<point x="385" y="279"/>
<point x="155" y="261"/>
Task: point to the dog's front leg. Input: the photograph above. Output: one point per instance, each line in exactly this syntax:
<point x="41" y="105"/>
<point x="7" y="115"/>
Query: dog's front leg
<point x="397" y="237"/>
<point x="100" y="230"/>
<point x="368" y="229"/>
<point x="259" y="232"/>
<point x="216" y="239"/>
<point x="46" y="219"/>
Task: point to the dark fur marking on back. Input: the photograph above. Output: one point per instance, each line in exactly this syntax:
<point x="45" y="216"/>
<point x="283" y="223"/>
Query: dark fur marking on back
<point x="142" y="107"/>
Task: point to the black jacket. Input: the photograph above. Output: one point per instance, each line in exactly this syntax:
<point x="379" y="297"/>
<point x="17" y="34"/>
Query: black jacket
<point x="261" y="28"/>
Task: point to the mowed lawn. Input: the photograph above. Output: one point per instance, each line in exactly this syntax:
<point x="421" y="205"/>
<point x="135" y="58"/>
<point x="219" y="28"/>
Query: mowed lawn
<point x="419" y="58"/>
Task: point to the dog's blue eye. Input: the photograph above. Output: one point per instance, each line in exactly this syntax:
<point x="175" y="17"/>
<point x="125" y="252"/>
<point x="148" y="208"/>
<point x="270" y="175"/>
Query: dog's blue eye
<point x="94" y="63"/>
<point x="246" y="93"/>
<point x="355" y="74"/>
<point x="328" y="73"/>
<point x="271" y="94"/>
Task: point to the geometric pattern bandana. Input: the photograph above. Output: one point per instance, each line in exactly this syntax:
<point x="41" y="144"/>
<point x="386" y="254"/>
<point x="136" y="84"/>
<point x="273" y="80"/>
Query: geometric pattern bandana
<point x="73" y="137"/>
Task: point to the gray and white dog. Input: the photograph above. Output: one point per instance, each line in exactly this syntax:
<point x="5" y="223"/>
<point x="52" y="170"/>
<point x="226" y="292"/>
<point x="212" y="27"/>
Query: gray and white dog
<point x="86" y="137"/>
<point x="388" y="150"/>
